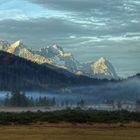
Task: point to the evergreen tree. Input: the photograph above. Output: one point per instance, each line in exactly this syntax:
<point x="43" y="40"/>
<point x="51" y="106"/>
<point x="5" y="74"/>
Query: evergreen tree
<point x="7" y="100"/>
<point x="81" y="103"/>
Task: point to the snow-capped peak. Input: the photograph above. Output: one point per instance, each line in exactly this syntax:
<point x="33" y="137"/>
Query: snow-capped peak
<point x="101" y="60"/>
<point x="17" y="43"/>
<point x="15" y="46"/>
<point x="56" y="50"/>
<point x="103" y="69"/>
<point x="55" y="46"/>
<point x="100" y="65"/>
<point x="55" y="55"/>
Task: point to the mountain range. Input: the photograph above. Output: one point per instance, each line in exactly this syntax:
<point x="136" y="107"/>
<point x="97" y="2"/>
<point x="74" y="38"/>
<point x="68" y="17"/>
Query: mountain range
<point x="31" y="73"/>
<point x="56" y="56"/>
<point x="22" y="74"/>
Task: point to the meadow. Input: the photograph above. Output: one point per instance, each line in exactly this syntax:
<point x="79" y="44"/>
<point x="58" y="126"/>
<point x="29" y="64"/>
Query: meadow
<point x="70" y="124"/>
<point x="66" y="132"/>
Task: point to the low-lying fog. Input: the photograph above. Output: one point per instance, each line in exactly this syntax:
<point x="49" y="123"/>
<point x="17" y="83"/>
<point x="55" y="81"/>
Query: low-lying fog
<point x="121" y="91"/>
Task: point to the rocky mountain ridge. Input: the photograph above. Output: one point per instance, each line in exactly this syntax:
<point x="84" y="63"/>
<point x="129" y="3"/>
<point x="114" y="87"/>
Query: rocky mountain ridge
<point x="55" y="55"/>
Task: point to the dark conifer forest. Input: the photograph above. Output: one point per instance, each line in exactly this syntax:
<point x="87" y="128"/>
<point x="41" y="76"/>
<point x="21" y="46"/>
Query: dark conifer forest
<point x="20" y="74"/>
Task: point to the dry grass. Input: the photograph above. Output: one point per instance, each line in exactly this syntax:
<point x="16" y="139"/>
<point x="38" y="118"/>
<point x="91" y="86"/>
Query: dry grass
<point x="67" y="132"/>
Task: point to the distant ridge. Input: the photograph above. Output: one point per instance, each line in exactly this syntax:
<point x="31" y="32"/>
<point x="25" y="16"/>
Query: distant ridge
<point x="19" y="73"/>
<point x="55" y="55"/>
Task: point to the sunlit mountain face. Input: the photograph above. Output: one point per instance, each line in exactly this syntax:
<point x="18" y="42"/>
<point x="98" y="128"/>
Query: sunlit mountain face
<point x="90" y="29"/>
<point x="56" y="56"/>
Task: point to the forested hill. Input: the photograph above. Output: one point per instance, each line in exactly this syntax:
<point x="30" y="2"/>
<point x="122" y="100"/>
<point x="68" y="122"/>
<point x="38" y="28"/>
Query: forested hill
<point x="18" y="73"/>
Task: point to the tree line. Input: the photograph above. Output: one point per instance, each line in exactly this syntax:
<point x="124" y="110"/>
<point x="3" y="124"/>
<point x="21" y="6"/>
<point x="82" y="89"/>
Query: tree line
<point x="76" y="115"/>
<point x="19" y="99"/>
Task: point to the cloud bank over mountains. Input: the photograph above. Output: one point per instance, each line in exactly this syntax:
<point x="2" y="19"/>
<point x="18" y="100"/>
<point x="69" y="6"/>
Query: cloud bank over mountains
<point x="92" y="28"/>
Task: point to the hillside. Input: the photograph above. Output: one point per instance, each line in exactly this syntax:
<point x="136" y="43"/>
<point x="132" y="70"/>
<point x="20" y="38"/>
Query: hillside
<point x="58" y="57"/>
<point x="19" y="73"/>
<point x="22" y="74"/>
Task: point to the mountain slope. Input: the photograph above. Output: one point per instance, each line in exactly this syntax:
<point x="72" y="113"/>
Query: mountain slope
<point x="19" y="73"/>
<point x="55" y="55"/>
<point x="4" y="45"/>
<point x="19" y="49"/>
<point x="59" y="57"/>
<point x="15" y="47"/>
<point x="101" y="69"/>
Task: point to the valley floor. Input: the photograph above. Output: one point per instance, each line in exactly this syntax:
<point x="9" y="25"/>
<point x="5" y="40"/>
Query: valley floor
<point x="68" y="132"/>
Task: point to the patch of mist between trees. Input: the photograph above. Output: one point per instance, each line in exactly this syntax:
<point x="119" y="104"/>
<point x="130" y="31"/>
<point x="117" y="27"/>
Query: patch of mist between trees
<point x="93" y="94"/>
<point x="126" y="90"/>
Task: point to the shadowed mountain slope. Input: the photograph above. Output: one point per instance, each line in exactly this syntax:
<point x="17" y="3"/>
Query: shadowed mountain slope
<point x="19" y="73"/>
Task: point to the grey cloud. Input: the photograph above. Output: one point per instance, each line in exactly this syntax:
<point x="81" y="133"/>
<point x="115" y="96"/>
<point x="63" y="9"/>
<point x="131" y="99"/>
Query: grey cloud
<point x="109" y="8"/>
<point x="79" y="5"/>
<point x="54" y="29"/>
<point x="44" y="26"/>
<point x="93" y="25"/>
<point x="118" y="16"/>
<point x="39" y="29"/>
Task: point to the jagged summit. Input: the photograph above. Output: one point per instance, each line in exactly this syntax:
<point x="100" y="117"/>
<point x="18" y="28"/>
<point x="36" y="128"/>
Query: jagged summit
<point x="19" y="49"/>
<point x="101" y="60"/>
<point x="56" y="50"/>
<point x="100" y="64"/>
<point x="14" y="48"/>
<point x="18" y="42"/>
<point x="57" y="56"/>
<point x="55" y="46"/>
<point x="103" y="69"/>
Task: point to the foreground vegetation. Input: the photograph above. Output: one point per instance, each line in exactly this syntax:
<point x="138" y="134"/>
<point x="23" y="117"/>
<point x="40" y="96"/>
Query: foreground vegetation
<point x="76" y="115"/>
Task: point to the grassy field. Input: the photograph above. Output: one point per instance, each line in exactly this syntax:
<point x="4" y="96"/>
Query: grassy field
<point x="65" y="132"/>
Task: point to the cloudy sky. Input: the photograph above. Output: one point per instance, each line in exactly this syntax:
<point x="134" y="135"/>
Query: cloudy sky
<point x="87" y="28"/>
